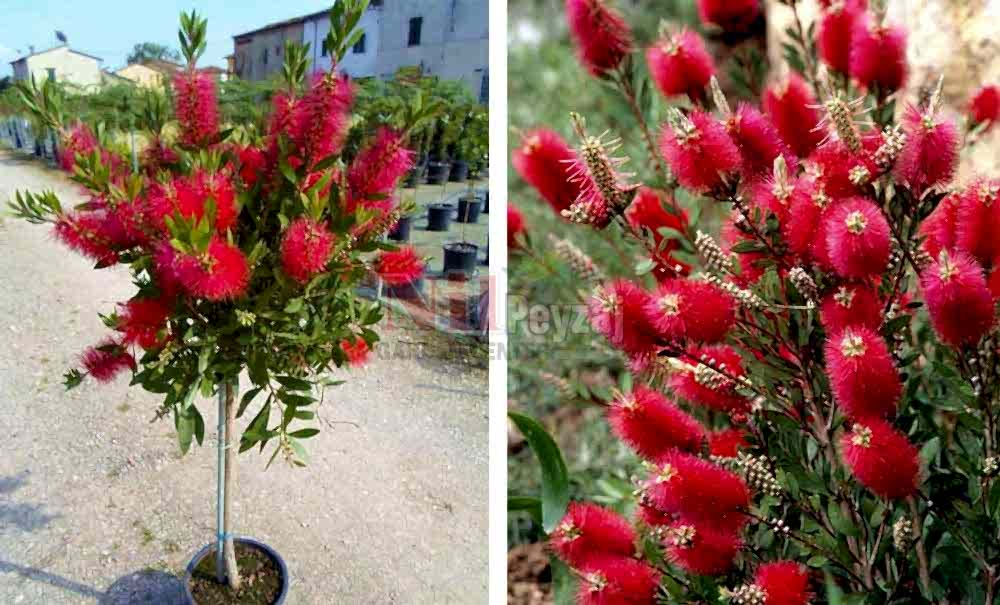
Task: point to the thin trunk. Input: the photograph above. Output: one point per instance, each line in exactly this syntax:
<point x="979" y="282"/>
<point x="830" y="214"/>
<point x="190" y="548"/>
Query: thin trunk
<point x="229" y="551"/>
<point x="918" y="534"/>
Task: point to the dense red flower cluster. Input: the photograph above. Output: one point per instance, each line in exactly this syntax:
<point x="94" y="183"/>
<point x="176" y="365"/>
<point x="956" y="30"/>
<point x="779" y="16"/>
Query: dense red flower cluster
<point x="357" y="351"/>
<point x="319" y="122"/>
<point x="107" y="360"/>
<point x="791" y="105"/>
<point x="700" y="152"/>
<point x="837" y="24"/>
<point x="79" y="139"/>
<point x="958" y="299"/>
<point x="617" y="311"/>
<point x="985" y="104"/>
<point x="305" y="249"/>
<point x="653" y="425"/>
<point x="717" y="392"/>
<point x="930" y="156"/>
<point x="878" y="55"/>
<point x="143" y="321"/>
<point x="726" y="443"/>
<point x="380" y="166"/>
<point x="758" y="142"/>
<point x="602" y="38"/>
<point x="700" y="548"/>
<point x="221" y="273"/>
<point x="863" y="377"/>
<point x="618" y="581"/>
<point x="881" y="458"/>
<point x="515" y="227"/>
<point x="730" y="15"/>
<point x="857" y="238"/>
<point x="680" y="65"/>
<point x="588" y="532"/>
<point x="851" y="305"/>
<point x="196" y="107"/>
<point x="399" y="267"/>
<point x="784" y="583"/>
<point x="685" y="309"/>
<point x="544" y="160"/>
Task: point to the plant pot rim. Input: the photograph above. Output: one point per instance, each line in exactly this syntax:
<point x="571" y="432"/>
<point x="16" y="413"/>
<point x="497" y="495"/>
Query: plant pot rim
<point x="441" y="206"/>
<point x="201" y="554"/>
<point x="460" y="247"/>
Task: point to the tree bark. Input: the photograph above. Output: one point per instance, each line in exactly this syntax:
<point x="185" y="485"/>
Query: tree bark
<point x="229" y="550"/>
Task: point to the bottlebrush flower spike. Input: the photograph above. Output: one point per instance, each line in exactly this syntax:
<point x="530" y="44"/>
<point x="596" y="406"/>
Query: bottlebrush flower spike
<point x="618" y="581"/>
<point x="778" y="193"/>
<point x="701" y="549"/>
<point x="356" y="351"/>
<point x="143" y="321"/>
<point x="863" y="377"/>
<point x="985" y="105"/>
<point x="544" y="160"/>
<point x="841" y="172"/>
<point x="939" y="228"/>
<point x="784" y="583"/>
<point x="930" y="156"/>
<point x="958" y="299"/>
<point x="601" y="36"/>
<point x="791" y="105"/>
<point x="380" y="166"/>
<point x="851" y="305"/>
<point x="803" y="229"/>
<point x="729" y="15"/>
<point x="683" y="309"/>
<point x="833" y="36"/>
<point x="252" y="164"/>
<point x="878" y="55"/>
<point x="616" y="310"/>
<point x="79" y="139"/>
<point x="196" y="107"/>
<point x="680" y="65"/>
<point x="758" y="142"/>
<point x="978" y="220"/>
<point x="646" y="212"/>
<point x="194" y="192"/>
<point x="699" y="151"/>
<point x="697" y="490"/>
<point x="652" y="425"/>
<point x="305" y="249"/>
<point x="107" y="360"/>
<point x="881" y="458"/>
<point x="321" y="119"/>
<point x="703" y="386"/>
<point x="399" y="267"/>
<point x="857" y="238"/>
<point x="515" y="227"/>
<point x="588" y="531"/>
<point x="84" y="232"/>
<point x="726" y="443"/>
<point x="221" y="273"/>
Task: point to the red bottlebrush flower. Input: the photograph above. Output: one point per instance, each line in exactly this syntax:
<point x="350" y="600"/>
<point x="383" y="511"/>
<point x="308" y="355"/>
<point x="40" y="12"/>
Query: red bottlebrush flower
<point x="515" y="227"/>
<point x="833" y="36"/>
<point x="978" y="220"/>
<point x="196" y="107"/>
<point x="958" y="298"/>
<point x="357" y="352"/>
<point x="79" y="140"/>
<point x="791" y="107"/>
<point x="700" y="548"/>
<point x="726" y="443"/>
<point x="803" y="228"/>
<point x="156" y="156"/>
<point x="107" y="360"/>
<point x="221" y="273"/>
<point x="779" y="198"/>
<point x="86" y="233"/>
<point x="188" y="196"/>
<point x="652" y="425"/>
<point x="878" y="56"/>
<point x="709" y="389"/>
<point x="647" y="212"/>
<point x="143" y="321"/>
<point x="694" y="310"/>
<point x="321" y="119"/>
<point x="784" y="583"/>
<point x="616" y="311"/>
<point x="680" y="65"/>
<point x="857" y="238"/>
<point x="252" y="164"/>
<point x="851" y="305"/>
<point x="729" y="15"/>
<point x="862" y="375"/>
<point x="758" y="142"/>
<point x="588" y="531"/>
<point x="939" y="228"/>
<point x="837" y="166"/>
<point x="698" y="490"/>
<point x="378" y="167"/>
<point x="881" y="458"/>
<point x="618" y="581"/>
<point x="305" y="249"/>
<point x="601" y="35"/>
<point x="930" y="155"/>
<point x="985" y="105"/>
<point x="700" y="152"/>
<point x="544" y="160"/>
<point x="399" y="267"/>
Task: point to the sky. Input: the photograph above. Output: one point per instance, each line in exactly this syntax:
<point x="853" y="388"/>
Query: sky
<point x="110" y="28"/>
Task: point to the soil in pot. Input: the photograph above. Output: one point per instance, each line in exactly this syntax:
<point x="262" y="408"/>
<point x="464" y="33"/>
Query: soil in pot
<point x="460" y="259"/>
<point x="261" y="579"/>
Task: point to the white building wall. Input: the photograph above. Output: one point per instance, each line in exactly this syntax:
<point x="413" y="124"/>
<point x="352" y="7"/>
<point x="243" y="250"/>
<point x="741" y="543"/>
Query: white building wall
<point x="69" y="66"/>
<point x="357" y="65"/>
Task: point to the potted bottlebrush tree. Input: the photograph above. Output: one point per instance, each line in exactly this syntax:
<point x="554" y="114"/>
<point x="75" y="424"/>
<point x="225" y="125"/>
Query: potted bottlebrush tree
<point x="245" y="260"/>
<point x="810" y="397"/>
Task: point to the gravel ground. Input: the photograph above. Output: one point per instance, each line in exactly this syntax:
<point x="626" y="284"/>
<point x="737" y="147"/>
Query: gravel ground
<point x="97" y="506"/>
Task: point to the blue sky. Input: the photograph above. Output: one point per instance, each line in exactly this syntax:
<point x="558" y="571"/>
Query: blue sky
<point x="109" y="28"/>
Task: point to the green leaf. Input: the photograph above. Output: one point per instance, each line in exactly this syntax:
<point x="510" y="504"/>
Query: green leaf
<point x="246" y="399"/>
<point x="555" y="477"/>
<point x="304" y="433"/>
<point x="529" y="504"/>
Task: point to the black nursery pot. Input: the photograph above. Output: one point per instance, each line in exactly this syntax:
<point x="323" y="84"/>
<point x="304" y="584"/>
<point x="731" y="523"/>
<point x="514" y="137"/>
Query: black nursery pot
<point x="460" y="259"/>
<point x="459" y="171"/>
<point x="401" y="232"/>
<point x="413" y="176"/>
<point x="468" y="210"/>
<point x="439" y="217"/>
<point x="486" y="201"/>
<point x="437" y="172"/>
<point x="209" y="550"/>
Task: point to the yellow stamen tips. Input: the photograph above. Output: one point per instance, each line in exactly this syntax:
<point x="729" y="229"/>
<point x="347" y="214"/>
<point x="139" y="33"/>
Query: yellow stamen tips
<point x="596" y="581"/>
<point x="859" y="175"/>
<point x="844" y="297"/>
<point x="853" y="345"/>
<point x="988" y="193"/>
<point x="947" y="268"/>
<point x="856" y="222"/>
<point x="627" y="402"/>
<point x="821" y="199"/>
<point x="531" y="143"/>
<point x="862" y="436"/>
<point x="665" y="473"/>
<point x="680" y="536"/>
<point x="670" y="304"/>
<point x="569" y="531"/>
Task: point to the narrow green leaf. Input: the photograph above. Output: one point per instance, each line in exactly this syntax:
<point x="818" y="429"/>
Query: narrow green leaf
<point x="555" y="477"/>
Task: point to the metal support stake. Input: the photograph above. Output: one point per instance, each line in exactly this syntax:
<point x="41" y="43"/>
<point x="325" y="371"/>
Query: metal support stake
<point x="220" y="564"/>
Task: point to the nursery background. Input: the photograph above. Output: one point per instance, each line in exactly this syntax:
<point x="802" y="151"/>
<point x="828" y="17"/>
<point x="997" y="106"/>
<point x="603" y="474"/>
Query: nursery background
<point x="560" y="372"/>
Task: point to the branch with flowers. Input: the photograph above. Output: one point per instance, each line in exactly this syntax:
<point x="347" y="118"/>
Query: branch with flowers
<point x="245" y="255"/>
<point x="813" y="392"/>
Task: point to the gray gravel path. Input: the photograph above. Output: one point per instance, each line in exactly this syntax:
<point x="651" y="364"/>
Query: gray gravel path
<point x="96" y="506"/>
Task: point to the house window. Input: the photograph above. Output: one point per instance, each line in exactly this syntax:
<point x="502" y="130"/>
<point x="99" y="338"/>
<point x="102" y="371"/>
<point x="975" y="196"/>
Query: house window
<point x="324" y="48"/>
<point x="263" y="57"/>
<point x="52" y="72"/>
<point x="359" y="46"/>
<point x="416" y="24"/>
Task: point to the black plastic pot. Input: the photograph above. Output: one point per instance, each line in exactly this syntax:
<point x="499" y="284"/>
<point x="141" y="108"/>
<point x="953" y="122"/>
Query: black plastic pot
<point x="210" y="550"/>
<point x="401" y="232"/>
<point x="469" y="209"/>
<point x="437" y="172"/>
<point x="439" y="217"/>
<point x="486" y="201"/>
<point x="410" y="291"/>
<point x="460" y="260"/>
<point x="459" y="171"/>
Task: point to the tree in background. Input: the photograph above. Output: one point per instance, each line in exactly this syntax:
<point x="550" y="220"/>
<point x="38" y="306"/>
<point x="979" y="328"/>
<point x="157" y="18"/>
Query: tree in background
<point x="148" y="51"/>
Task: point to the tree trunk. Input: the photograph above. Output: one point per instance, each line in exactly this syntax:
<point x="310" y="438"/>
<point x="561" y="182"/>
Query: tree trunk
<point x="229" y="551"/>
